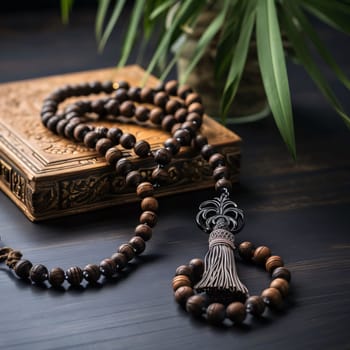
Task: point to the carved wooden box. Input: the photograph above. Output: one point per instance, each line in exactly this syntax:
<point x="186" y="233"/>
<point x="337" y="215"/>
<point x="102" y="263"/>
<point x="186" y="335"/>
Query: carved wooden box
<point x="47" y="176"/>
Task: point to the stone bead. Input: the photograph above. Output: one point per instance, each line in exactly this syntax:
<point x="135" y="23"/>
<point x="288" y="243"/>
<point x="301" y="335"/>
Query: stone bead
<point x="207" y="151"/>
<point x="195" y="305"/>
<point x="133" y="178"/>
<point x="123" y="166"/>
<point x="183" y="136"/>
<point x="197" y="266"/>
<point x="182" y="294"/>
<point x="144" y="231"/>
<point x="282" y="285"/>
<point x="80" y="131"/>
<point x="181" y="115"/>
<point x="181" y="280"/>
<point x="221" y="172"/>
<point x="141" y="113"/>
<point x="222" y="184"/>
<point x="91" y="273"/>
<point x="127" y="109"/>
<point x="246" y="250"/>
<point x="156" y="115"/>
<point x="168" y="122"/>
<point x="273" y="262"/>
<point x="102" y="145"/>
<point x="120" y="260"/>
<point x="138" y="244"/>
<point x="22" y="268"/>
<point x="108" y="267"/>
<point x="281" y="272"/>
<point x="113" y="155"/>
<point x="90" y="139"/>
<point x="171" y="87"/>
<point x="149" y="218"/>
<point x="162" y="156"/>
<point x="160" y="175"/>
<point x="172" y="106"/>
<point x="272" y="297"/>
<point x="172" y="145"/>
<point x="196" y="107"/>
<point x="38" y="273"/>
<point x="127" y="141"/>
<point x="114" y="135"/>
<point x="146" y="94"/>
<point x="255" y="305"/>
<point x="236" y="312"/>
<point x="149" y="204"/>
<point x="160" y="99"/>
<point x="145" y="189"/>
<point x="74" y="276"/>
<point x="142" y="148"/>
<point x="216" y="313"/>
<point x="127" y="250"/>
<point x="183" y="91"/>
<point x="261" y="254"/>
<point x="184" y="270"/>
<point x="191" y="98"/>
<point x="56" y="277"/>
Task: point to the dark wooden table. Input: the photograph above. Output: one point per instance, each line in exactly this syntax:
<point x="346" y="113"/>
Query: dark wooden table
<point x="301" y="210"/>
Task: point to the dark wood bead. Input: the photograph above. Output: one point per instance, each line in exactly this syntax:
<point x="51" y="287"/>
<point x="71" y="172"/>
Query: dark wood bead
<point x="246" y="250"/>
<point x="181" y="115"/>
<point x="101" y="131"/>
<point x="172" y="145"/>
<point x="108" y="267"/>
<point x="122" y="84"/>
<point x="184" y="270"/>
<point x="145" y="189"/>
<point x="160" y="176"/>
<point x="207" y="151"/>
<point x="52" y="123"/>
<point x="172" y="106"/>
<point x="180" y="281"/>
<point x="103" y="145"/>
<point x="22" y="268"/>
<point x="74" y="276"/>
<point x="168" y="122"/>
<point x="195" y="118"/>
<point x="156" y="115"/>
<point x="60" y="126"/>
<point x="281" y="272"/>
<point x="272" y="297"/>
<point x="120" y="260"/>
<point x="38" y="273"/>
<point x="223" y="184"/>
<point x="199" y="142"/>
<point x="236" y="312"/>
<point x="90" y="139"/>
<point x="282" y="285"/>
<point x="216" y="160"/>
<point x="46" y="117"/>
<point x="98" y="107"/>
<point x="107" y="86"/>
<point x="183" y="136"/>
<point x="142" y="148"/>
<point x="160" y="99"/>
<point x="95" y="87"/>
<point x="196" y="107"/>
<point x="221" y="172"/>
<point x="127" y="141"/>
<point x="146" y="94"/>
<point x="142" y="113"/>
<point x="56" y="277"/>
<point x="127" y="250"/>
<point x="144" y="231"/>
<point x="91" y="273"/>
<point x="69" y="129"/>
<point x="138" y="244"/>
<point x="148" y="217"/>
<point x="114" y="135"/>
<point x="261" y="254"/>
<point x="112" y="107"/>
<point x="273" y="262"/>
<point x="182" y="294"/>
<point x="80" y="131"/>
<point x="47" y="110"/>
<point x="113" y="155"/>
<point x="183" y="91"/>
<point x="175" y="127"/>
<point x="255" y="305"/>
<point x="133" y="178"/>
<point x="195" y="305"/>
<point x="121" y="95"/>
<point x="216" y="313"/>
<point x="123" y="166"/>
<point x="197" y="266"/>
<point x="190" y="127"/>
<point x="171" y="87"/>
<point x="134" y="93"/>
<point x="192" y="98"/>
<point x="149" y="204"/>
<point x="127" y="109"/>
<point x="162" y="156"/>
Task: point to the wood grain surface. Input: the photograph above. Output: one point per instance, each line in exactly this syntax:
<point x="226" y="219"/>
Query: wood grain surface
<point x="299" y="209"/>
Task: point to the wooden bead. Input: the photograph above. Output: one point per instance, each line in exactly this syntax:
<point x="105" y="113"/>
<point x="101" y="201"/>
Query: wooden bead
<point x="146" y="94"/>
<point x="61" y="126"/>
<point x="195" y="305"/>
<point x="145" y="189"/>
<point x="120" y="260"/>
<point x="172" y="145"/>
<point x="261" y="254"/>
<point x="134" y="93"/>
<point x="281" y="272"/>
<point x="112" y="107"/>
<point x="74" y="276"/>
<point x="190" y="127"/>
<point x="108" y="267"/>
<point x="282" y="285"/>
<point x="123" y="166"/>
<point x="221" y="172"/>
<point x="113" y="155"/>
<point x="172" y="106"/>
<point x="133" y="178"/>
<point x="127" y="141"/>
<point x="149" y="204"/>
<point x="52" y="122"/>
<point x="127" y="250"/>
<point x="122" y="84"/>
<point x="56" y="277"/>
<point x="144" y="231"/>
<point x="102" y="145"/>
<point x="216" y="160"/>
<point x="101" y="131"/>
<point x="183" y="91"/>
<point x="127" y="109"/>
<point x="273" y="262"/>
<point x="184" y="270"/>
<point x="255" y="305"/>
<point x="197" y="266"/>
<point x="207" y="151"/>
<point x="114" y="135"/>
<point x="246" y="250"/>
<point x="183" y="136"/>
<point x="121" y="95"/>
<point x="168" y="122"/>
<point x="162" y="156"/>
<point x="199" y="142"/>
<point x="22" y="268"/>
<point x="160" y="99"/>
<point x="141" y="113"/>
<point x="90" y="139"/>
<point x="69" y="128"/>
<point x="156" y="115"/>
<point x="192" y="97"/>
<point x="149" y="218"/>
<point x="196" y="107"/>
<point x="142" y="148"/>
<point x="181" y="115"/>
<point x="38" y="273"/>
<point x="216" y="313"/>
<point x="181" y="280"/>
<point x="91" y="273"/>
<point x="195" y="118"/>
<point x="80" y="131"/>
<point x="272" y="297"/>
<point x="223" y="184"/>
<point x="171" y="87"/>
<point x="182" y="294"/>
<point x="138" y="244"/>
<point x="236" y="312"/>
